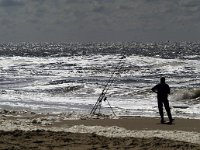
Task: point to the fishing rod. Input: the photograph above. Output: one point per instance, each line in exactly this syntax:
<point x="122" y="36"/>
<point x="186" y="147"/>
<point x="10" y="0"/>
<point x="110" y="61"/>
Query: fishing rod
<point x="102" y="96"/>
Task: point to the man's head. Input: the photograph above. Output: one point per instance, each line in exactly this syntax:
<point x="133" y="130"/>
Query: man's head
<point x="162" y="80"/>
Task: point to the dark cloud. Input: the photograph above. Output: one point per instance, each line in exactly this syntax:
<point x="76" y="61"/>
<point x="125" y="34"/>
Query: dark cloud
<point x="7" y="3"/>
<point x="152" y="1"/>
<point x="189" y="3"/>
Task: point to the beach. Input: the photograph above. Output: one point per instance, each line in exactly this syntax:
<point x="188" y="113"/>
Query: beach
<point x="95" y="74"/>
<point x="28" y="130"/>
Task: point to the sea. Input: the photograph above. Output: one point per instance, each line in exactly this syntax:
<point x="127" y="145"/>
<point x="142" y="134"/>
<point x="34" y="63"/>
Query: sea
<point x="70" y="77"/>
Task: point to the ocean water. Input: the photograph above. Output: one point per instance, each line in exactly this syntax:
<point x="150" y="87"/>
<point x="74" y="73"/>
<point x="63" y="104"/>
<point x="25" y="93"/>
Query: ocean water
<point x="69" y="77"/>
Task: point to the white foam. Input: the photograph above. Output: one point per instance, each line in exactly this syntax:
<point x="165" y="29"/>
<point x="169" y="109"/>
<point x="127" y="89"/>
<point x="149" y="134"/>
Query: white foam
<point x="141" y="74"/>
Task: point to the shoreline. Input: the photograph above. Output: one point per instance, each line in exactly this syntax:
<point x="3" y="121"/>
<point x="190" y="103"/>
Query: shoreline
<point x="19" y="125"/>
<point x="138" y="123"/>
<point x="72" y="119"/>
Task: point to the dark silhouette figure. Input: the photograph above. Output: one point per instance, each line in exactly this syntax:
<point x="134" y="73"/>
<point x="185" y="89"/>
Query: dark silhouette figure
<point x="163" y="90"/>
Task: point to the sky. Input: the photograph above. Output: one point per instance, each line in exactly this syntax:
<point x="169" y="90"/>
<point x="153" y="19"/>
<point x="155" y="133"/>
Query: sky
<point x="99" y="20"/>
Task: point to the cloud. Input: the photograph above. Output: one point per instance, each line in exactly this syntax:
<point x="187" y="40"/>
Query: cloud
<point x="95" y="18"/>
<point x="189" y="3"/>
<point x="7" y="3"/>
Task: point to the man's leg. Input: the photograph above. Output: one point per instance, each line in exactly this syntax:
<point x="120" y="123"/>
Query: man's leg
<point x="160" y="108"/>
<point x="167" y="108"/>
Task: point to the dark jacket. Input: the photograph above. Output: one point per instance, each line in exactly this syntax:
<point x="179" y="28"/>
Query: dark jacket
<point x="162" y="90"/>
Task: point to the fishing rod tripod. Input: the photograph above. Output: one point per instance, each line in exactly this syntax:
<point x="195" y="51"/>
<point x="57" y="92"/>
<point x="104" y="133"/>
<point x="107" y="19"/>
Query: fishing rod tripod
<point x="98" y="104"/>
<point x="102" y="96"/>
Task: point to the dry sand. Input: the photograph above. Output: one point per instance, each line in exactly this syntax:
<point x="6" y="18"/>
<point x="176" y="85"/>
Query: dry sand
<point x="26" y="130"/>
<point x="41" y="139"/>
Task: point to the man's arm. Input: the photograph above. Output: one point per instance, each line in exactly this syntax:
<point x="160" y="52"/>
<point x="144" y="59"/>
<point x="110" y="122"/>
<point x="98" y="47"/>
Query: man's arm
<point x="155" y="89"/>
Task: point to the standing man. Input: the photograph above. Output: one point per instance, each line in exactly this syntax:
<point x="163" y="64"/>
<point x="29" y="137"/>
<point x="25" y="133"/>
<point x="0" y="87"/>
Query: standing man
<point x="163" y="90"/>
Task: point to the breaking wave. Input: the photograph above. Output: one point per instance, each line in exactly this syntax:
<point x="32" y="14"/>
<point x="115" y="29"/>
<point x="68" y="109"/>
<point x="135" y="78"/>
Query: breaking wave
<point x="63" y="90"/>
<point x="188" y="94"/>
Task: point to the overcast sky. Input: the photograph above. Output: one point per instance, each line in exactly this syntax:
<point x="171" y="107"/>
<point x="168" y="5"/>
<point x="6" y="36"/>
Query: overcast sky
<point x="99" y="20"/>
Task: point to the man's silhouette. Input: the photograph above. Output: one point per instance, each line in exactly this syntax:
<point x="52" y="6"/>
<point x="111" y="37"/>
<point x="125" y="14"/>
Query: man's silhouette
<point x="162" y="89"/>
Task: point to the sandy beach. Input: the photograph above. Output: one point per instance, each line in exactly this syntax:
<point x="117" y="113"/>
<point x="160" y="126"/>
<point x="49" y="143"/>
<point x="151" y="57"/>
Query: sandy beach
<point x="28" y="130"/>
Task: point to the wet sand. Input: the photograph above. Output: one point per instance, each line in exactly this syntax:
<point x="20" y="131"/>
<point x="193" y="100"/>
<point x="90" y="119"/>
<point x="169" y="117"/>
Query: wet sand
<point x="139" y="123"/>
<point x="25" y="130"/>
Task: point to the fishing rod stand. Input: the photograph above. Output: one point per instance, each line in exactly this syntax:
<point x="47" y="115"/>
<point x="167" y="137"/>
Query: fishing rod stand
<point x="102" y="96"/>
<point x="97" y="106"/>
